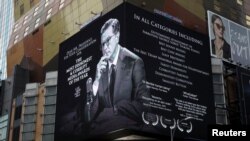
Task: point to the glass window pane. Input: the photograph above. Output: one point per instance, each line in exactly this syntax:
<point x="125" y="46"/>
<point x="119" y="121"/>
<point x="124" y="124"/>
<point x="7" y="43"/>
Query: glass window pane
<point x="28" y="136"/>
<point x="30" y="109"/>
<point x="49" y="119"/>
<point x="29" y="118"/>
<point x="29" y="127"/>
<point x="30" y="100"/>
<point x="49" y="137"/>
<point x="218" y="88"/>
<point x="48" y="129"/>
<point x="50" y="90"/>
<point x="217" y="78"/>
<point x="50" y="100"/>
<point x="49" y="109"/>
<point x="219" y="99"/>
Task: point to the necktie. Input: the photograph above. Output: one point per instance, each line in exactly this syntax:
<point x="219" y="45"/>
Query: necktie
<point x="112" y="83"/>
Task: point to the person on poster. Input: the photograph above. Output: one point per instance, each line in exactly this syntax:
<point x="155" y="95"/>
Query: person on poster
<point x="220" y="47"/>
<point x="119" y="84"/>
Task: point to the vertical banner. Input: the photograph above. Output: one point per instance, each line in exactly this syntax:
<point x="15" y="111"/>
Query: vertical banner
<point x="131" y="69"/>
<point x="228" y="40"/>
<point x="78" y="60"/>
<point x="244" y="90"/>
<point x="178" y="69"/>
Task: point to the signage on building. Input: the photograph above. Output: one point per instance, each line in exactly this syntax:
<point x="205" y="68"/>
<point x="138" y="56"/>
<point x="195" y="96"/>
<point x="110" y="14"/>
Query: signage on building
<point x="228" y="40"/>
<point x="162" y="81"/>
<point x="169" y="16"/>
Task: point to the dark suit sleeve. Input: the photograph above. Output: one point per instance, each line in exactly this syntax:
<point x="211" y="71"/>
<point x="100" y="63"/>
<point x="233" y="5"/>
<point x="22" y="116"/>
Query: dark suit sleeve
<point x="134" y="107"/>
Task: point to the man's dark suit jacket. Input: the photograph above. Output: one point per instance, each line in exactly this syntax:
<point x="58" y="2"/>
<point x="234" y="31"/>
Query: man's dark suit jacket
<point x="129" y="88"/>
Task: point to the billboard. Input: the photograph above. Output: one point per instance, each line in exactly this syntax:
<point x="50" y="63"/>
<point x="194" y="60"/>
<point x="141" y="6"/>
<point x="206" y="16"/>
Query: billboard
<point x="131" y="69"/>
<point x="244" y="91"/>
<point x="228" y="40"/>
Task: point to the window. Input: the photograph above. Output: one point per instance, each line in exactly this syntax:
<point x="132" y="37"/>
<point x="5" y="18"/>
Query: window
<point x="16" y="39"/>
<point x="36" y="10"/>
<point x="240" y="2"/>
<point x="30" y="110"/>
<point x="218" y="88"/>
<point x="18" y="112"/>
<point x="21" y="9"/>
<point x="46" y="3"/>
<point x="48" y="128"/>
<point x="49" y="109"/>
<point x="49" y="13"/>
<point x="50" y="90"/>
<point x="29" y="118"/>
<point x="31" y="100"/>
<point x="25" y="20"/>
<point x="61" y="4"/>
<point x="26" y="31"/>
<point x="29" y="127"/>
<point x="217" y="78"/>
<point x="49" y="119"/>
<point x="247" y="20"/>
<point x="50" y="100"/>
<point x="16" y="134"/>
<point x="37" y="22"/>
<point x="16" y="27"/>
<point x="28" y="136"/>
<point x="248" y="23"/>
<point x="32" y="3"/>
<point x="48" y="137"/>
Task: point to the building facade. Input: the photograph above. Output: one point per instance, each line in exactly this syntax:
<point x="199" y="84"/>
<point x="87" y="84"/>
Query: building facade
<point x="6" y="23"/>
<point x="3" y="127"/>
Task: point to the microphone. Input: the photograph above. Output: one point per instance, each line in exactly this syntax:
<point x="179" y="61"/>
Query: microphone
<point x="89" y="91"/>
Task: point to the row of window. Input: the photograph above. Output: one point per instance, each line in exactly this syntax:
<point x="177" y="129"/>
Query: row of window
<point x="30" y="127"/>
<point x="29" y="16"/>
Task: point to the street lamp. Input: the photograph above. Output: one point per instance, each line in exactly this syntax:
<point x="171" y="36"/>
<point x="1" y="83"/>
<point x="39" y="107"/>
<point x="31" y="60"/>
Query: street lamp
<point x="172" y="130"/>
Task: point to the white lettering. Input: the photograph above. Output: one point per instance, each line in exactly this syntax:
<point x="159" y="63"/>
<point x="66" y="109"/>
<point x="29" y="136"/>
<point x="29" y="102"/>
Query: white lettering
<point x="215" y="132"/>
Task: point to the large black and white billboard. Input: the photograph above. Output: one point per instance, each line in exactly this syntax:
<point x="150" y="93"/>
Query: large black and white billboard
<point x="228" y="40"/>
<point x="131" y="69"/>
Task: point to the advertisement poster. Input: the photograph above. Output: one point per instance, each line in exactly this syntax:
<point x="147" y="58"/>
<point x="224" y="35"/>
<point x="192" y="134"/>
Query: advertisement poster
<point x="239" y="44"/>
<point x="131" y="69"/>
<point x="244" y="90"/>
<point x="228" y="40"/>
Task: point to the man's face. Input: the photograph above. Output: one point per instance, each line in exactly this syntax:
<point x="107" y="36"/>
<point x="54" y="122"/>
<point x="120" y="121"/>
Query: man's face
<point x="218" y="28"/>
<point x="109" y="42"/>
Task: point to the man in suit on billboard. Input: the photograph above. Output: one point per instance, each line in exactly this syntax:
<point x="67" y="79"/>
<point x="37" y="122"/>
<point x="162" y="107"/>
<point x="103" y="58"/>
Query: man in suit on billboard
<point x="119" y="85"/>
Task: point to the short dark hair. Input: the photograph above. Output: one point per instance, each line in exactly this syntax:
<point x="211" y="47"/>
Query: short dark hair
<point x="111" y="22"/>
<point x="214" y="17"/>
